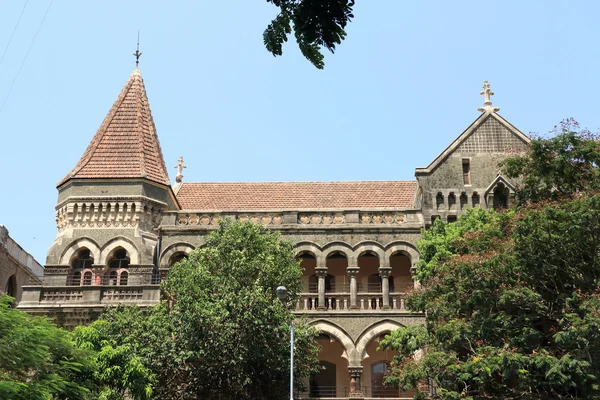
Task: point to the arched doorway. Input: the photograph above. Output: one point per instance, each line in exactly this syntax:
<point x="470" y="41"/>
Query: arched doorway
<point x="323" y="383"/>
<point x="11" y="286"/>
<point x="378" y="388"/>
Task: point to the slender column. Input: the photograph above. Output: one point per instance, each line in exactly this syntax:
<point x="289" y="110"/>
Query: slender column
<point x="384" y="273"/>
<point x="353" y="273"/>
<point x="321" y="275"/>
<point x="355" y="386"/>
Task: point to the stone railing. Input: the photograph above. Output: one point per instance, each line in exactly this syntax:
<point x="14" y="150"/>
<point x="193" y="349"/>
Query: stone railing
<point x="309" y="302"/>
<point x="60" y="296"/>
<point x="17" y="253"/>
<point x="375" y="218"/>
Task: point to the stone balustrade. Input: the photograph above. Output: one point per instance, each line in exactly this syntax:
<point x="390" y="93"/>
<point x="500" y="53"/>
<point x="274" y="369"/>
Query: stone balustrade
<point x="100" y="295"/>
<point x="309" y="302"/>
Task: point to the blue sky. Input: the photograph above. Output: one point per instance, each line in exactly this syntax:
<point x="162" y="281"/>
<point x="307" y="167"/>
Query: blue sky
<point x="402" y="86"/>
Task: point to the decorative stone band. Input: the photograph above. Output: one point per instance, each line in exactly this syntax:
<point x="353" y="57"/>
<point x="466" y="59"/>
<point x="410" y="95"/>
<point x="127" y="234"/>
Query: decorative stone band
<point x="82" y="212"/>
<point x="321" y="218"/>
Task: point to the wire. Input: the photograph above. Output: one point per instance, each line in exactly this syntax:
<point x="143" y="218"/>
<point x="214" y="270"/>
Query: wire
<point x="13" y="32"/>
<point x="26" y="55"/>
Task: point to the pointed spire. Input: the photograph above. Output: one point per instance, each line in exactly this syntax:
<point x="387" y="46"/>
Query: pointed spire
<point x="487" y="101"/>
<point x="126" y="145"/>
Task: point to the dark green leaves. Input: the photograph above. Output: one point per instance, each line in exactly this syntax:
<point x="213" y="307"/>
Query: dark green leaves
<point x="316" y="24"/>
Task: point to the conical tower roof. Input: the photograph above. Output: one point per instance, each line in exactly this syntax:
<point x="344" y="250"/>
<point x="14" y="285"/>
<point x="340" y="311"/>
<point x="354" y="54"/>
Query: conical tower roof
<point x="126" y="144"/>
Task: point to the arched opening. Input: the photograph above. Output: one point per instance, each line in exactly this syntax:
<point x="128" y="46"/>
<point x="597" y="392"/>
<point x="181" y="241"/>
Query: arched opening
<point x="452" y="202"/>
<point x="11" y="286"/>
<point x="464" y="201"/>
<point x="378" y="389"/>
<point x="82" y="261"/>
<point x="177" y="257"/>
<point x="500" y="197"/>
<point x="475" y="200"/>
<point x="375" y="366"/>
<point x="87" y="278"/>
<point x="123" y="278"/>
<point x="337" y="266"/>
<point x="369" y="282"/>
<point x="308" y="263"/>
<point x="439" y="201"/>
<point x="333" y="379"/>
<point x="401" y="280"/>
<point x="117" y="268"/>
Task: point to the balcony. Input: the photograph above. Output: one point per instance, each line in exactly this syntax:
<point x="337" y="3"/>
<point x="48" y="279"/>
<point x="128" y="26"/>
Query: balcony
<point x="37" y="297"/>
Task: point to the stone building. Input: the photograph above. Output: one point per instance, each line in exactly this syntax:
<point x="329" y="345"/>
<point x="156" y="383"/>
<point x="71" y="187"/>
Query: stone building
<point x="17" y="267"/>
<point x="121" y="226"/>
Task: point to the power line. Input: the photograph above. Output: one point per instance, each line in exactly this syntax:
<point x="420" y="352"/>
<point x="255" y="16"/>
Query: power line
<point x="26" y="55"/>
<point x="13" y="32"/>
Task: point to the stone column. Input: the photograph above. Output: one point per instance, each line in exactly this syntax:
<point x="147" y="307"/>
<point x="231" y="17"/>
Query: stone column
<point x="353" y="273"/>
<point x="355" y="385"/>
<point x="321" y="275"/>
<point x="384" y="273"/>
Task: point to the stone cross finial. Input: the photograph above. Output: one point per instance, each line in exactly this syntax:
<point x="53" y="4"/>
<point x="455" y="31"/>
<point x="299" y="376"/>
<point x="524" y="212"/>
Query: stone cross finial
<point x="180" y="168"/>
<point x="487" y="101"/>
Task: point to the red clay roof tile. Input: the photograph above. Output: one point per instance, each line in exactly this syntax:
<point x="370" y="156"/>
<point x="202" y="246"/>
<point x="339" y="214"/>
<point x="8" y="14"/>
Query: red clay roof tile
<point x="245" y="196"/>
<point x="126" y="144"/>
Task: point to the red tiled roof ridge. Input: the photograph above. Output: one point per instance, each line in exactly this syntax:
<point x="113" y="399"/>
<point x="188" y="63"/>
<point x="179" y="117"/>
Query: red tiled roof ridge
<point x="112" y="152"/>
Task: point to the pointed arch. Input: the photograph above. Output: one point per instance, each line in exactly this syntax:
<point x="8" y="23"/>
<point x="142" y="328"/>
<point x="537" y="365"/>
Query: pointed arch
<point x="113" y="244"/>
<point x="173" y="249"/>
<point x="338" y="333"/>
<point x="375" y="330"/>
<point x="82" y="243"/>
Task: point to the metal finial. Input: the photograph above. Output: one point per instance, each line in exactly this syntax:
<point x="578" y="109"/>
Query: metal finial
<point x="180" y="168"/>
<point x="487" y="101"/>
<point x="137" y="53"/>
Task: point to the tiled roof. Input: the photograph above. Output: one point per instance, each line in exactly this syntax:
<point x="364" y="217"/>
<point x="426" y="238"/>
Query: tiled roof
<point x="126" y="144"/>
<point x="296" y="195"/>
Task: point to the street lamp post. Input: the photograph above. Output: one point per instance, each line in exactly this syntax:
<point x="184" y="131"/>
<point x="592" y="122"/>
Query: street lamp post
<point x="281" y="292"/>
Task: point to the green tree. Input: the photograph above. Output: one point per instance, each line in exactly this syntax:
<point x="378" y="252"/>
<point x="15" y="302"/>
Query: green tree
<point x="221" y="332"/>
<point x="316" y="24"/>
<point x="512" y="299"/>
<point x="39" y="360"/>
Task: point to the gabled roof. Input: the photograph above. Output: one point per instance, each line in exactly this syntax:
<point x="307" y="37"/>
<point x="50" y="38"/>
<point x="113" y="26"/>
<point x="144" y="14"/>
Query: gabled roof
<point x="126" y="144"/>
<point x="246" y="196"/>
<point x="486" y="117"/>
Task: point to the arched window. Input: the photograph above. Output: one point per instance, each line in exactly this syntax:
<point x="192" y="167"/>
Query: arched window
<point x="113" y="278"/>
<point x="464" y="201"/>
<point x="451" y="202"/>
<point x="378" y="389"/>
<point x="177" y="257"/>
<point x="87" y="278"/>
<point x="11" y="286"/>
<point x="500" y="197"/>
<point x="439" y="201"/>
<point x="82" y="262"/>
<point x="124" y="276"/>
<point x="475" y="200"/>
<point x="117" y="269"/>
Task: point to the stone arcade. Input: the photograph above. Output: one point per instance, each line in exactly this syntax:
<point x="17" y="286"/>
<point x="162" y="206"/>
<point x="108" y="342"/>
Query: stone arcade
<point x="121" y="225"/>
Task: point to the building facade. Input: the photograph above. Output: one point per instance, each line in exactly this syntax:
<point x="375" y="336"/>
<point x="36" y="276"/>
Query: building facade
<point x="122" y="225"/>
<point x="17" y="267"/>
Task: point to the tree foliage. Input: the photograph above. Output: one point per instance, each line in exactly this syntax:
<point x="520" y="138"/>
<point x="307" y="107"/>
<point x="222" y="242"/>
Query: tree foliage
<point x="220" y="332"/>
<point x="39" y="361"/>
<point x="512" y="299"/>
<point x="316" y="24"/>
